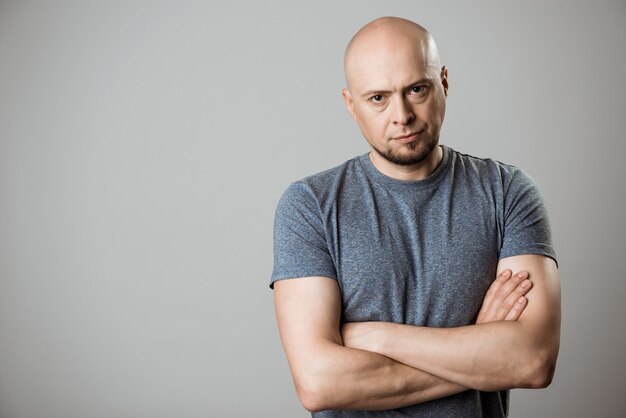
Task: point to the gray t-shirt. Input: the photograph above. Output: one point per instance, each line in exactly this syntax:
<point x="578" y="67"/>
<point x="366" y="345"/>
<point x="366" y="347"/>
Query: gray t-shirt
<point x="413" y="252"/>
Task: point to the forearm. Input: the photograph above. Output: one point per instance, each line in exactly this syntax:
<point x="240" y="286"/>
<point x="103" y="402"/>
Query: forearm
<point x="328" y="374"/>
<point x="493" y="356"/>
<point x="490" y="356"/>
<point x="339" y="377"/>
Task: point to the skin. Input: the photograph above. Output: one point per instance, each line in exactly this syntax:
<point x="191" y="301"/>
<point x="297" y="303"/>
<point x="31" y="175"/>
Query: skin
<point x="332" y="371"/>
<point x="397" y="87"/>
<point x="397" y="93"/>
<point x="488" y="356"/>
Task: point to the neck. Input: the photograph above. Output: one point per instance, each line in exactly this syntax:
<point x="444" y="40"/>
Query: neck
<point x="413" y="172"/>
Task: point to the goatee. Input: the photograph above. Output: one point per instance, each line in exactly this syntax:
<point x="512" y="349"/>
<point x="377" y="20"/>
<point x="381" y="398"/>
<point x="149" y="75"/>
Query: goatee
<point x="419" y="151"/>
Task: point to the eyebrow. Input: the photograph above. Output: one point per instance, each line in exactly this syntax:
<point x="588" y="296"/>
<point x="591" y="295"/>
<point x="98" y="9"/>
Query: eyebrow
<point x="375" y="92"/>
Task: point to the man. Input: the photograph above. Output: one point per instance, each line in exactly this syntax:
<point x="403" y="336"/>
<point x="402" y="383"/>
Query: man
<point x="384" y="266"/>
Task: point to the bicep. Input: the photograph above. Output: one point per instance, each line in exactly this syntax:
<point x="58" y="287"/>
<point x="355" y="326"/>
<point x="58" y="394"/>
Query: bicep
<point x="541" y="318"/>
<point x="308" y="312"/>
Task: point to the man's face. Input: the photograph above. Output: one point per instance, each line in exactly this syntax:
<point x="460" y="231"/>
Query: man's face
<point x="397" y="96"/>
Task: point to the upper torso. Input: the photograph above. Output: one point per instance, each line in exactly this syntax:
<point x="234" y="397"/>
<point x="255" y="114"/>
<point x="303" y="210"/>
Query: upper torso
<point x="421" y="253"/>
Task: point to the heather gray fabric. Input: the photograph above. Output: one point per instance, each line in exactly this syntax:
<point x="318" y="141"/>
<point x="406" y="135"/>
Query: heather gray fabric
<point x="422" y="252"/>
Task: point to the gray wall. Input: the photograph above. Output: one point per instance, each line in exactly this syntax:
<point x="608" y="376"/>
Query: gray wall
<point x="143" y="147"/>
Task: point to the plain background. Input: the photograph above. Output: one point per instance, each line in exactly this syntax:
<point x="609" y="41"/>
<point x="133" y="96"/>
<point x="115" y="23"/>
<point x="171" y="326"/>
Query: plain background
<point x="144" y="145"/>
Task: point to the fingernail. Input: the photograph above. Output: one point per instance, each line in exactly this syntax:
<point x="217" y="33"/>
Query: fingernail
<point x="506" y="273"/>
<point x="522" y="274"/>
<point x="525" y="283"/>
<point x="520" y="300"/>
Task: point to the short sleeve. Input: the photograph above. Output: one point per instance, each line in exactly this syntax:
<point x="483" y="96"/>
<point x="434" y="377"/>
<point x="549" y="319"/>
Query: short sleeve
<point x="300" y="245"/>
<point x="526" y="223"/>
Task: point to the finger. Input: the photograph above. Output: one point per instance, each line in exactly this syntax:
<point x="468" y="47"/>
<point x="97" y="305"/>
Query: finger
<point x="510" y="285"/>
<point x="511" y="300"/>
<point x="508" y="293"/>
<point x="517" y="309"/>
<point x="488" y="307"/>
<point x="502" y="278"/>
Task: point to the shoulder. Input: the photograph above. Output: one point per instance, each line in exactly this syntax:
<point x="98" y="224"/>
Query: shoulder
<point x="481" y="164"/>
<point x="322" y="186"/>
<point x="491" y="171"/>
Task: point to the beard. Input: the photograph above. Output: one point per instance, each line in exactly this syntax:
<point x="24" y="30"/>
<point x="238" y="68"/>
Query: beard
<point x="417" y="151"/>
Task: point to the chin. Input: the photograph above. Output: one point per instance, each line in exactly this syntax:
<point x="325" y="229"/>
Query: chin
<point x="412" y="154"/>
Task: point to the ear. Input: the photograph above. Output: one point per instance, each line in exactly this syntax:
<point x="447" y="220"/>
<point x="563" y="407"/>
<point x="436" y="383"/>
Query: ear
<point x="347" y="98"/>
<point x="444" y="80"/>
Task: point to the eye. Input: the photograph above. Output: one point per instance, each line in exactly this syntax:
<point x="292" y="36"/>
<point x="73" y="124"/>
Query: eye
<point x="418" y="90"/>
<point x="377" y="98"/>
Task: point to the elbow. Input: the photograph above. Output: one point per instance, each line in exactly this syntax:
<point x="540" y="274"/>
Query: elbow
<point x="542" y="376"/>
<point x="315" y="388"/>
<point x="317" y="381"/>
<point x="310" y="403"/>
<point x="540" y="371"/>
<point x="311" y="394"/>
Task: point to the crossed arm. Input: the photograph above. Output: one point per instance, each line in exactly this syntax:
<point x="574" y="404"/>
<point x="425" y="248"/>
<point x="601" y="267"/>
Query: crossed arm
<point x="380" y="365"/>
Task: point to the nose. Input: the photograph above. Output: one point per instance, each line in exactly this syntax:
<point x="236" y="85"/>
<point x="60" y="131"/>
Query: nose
<point x="402" y="112"/>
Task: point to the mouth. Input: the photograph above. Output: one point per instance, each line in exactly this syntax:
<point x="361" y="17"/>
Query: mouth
<point x="404" y="139"/>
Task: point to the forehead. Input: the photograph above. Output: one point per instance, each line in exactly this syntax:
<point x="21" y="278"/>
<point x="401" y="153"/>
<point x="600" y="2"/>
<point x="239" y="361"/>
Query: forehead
<point x="387" y="64"/>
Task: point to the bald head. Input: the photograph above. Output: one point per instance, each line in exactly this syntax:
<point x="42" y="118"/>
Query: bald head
<point x="383" y="37"/>
<point x="397" y="94"/>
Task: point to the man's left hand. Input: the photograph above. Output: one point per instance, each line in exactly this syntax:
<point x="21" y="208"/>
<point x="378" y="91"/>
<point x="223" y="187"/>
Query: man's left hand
<point x="505" y="300"/>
